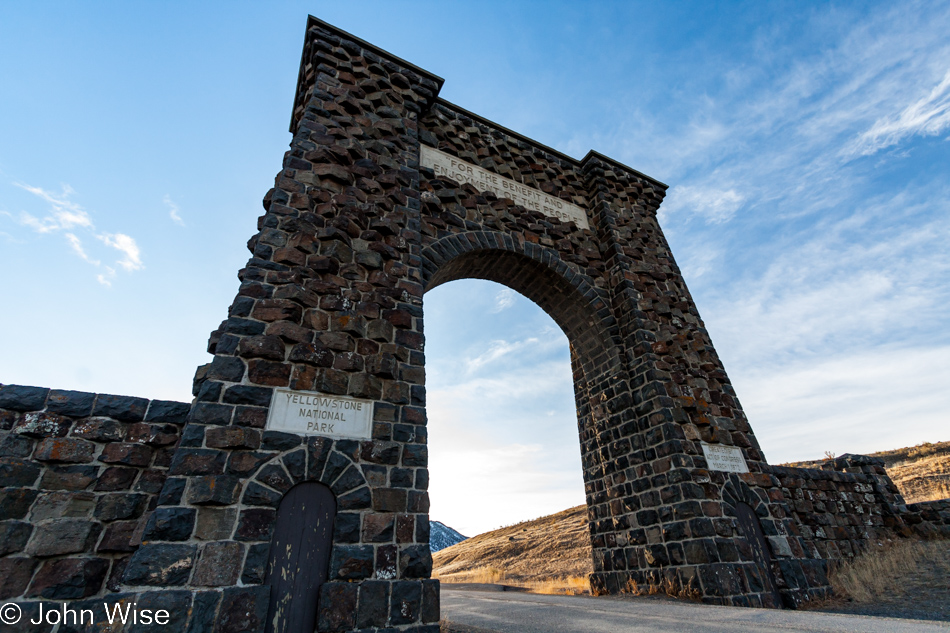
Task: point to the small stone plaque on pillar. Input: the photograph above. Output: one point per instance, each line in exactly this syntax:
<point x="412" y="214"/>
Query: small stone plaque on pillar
<point x="726" y="458"/>
<point x="314" y="413"/>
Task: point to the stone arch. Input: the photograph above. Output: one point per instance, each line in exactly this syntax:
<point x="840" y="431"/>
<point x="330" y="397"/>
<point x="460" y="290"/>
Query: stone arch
<point x="580" y="310"/>
<point x="734" y="491"/>
<point x="583" y="313"/>
<point x="355" y="230"/>
<point x="319" y="460"/>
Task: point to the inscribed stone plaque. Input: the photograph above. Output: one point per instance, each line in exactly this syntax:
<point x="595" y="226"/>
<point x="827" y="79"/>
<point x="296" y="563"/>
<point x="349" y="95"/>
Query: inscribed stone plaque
<point x="530" y="198"/>
<point x="727" y="458"/>
<point x="312" y="413"/>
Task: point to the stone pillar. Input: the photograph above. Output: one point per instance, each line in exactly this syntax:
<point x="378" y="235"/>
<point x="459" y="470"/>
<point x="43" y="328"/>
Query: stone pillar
<point x="330" y="302"/>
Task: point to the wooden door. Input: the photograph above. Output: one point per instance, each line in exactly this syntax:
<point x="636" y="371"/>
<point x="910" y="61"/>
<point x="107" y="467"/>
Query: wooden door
<point x="751" y="529"/>
<point x="299" y="556"/>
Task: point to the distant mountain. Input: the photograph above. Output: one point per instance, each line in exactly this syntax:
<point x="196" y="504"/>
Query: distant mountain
<point x="442" y="536"/>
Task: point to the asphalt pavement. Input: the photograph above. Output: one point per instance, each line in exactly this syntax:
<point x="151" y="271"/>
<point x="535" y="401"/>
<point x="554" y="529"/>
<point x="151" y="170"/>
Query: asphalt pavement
<point x="511" y="612"/>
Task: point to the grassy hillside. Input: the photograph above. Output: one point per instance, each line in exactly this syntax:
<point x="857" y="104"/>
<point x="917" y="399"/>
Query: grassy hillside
<point x="558" y="546"/>
<point x="555" y="546"/>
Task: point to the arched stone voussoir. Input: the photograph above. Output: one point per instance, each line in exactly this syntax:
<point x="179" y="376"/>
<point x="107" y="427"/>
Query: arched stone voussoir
<point x="537" y="272"/>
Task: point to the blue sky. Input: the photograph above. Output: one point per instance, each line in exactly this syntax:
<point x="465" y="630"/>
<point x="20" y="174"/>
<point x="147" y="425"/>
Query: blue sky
<point x="806" y="147"/>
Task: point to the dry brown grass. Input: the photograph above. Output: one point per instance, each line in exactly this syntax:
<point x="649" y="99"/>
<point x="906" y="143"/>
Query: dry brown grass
<point x="924" y="479"/>
<point x="894" y="569"/>
<point x="568" y="586"/>
<point x="487" y="575"/>
<point x="547" y="549"/>
<point x="663" y="586"/>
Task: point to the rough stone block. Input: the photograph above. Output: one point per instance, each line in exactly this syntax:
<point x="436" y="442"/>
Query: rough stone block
<point x="122" y="408"/>
<point x="99" y="430"/>
<point x="69" y="578"/>
<point x="126" y="454"/>
<point x="255" y="564"/>
<point x="68" y="477"/>
<point x="211" y="413"/>
<point x="75" y="404"/>
<point x="167" y="412"/>
<point x="227" y="368"/>
<point x="215" y="524"/>
<point x="389" y="500"/>
<point x="21" y="398"/>
<point x="258" y="495"/>
<point x="266" y="347"/>
<point x="152" y="434"/>
<point x="253" y="417"/>
<point x="296" y="464"/>
<point x="245" y="463"/>
<point x="118" y="537"/>
<point x="351" y="562"/>
<point x="233" y="437"/>
<point x="16" y="446"/>
<point x="17" y="472"/>
<point x="415" y="455"/>
<point x="219" y="565"/>
<point x="274" y="476"/>
<point x="176" y="604"/>
<point x="62" y="505"/>
<point x="13" y="536"/>
<point x="196" y="461"/>
<point x="214" y="490"/>
<point x="170" y="524"/>
<point x="406" y="602"/>
<point x="117" y="506"/>
<point x="373" y="607"/>
<point x="415" y="561"/>
<point x="338" y="607"/>
<point x="63" y="536"/>
<point x="430" y="601"/>
<point x="64" y="450"/>
<point x="243" y="609"/>
<point x="203" y="610"/>
<point x="172" y="491"/>
<point x="279" y="441"/>
<point x="378" y="528"/>
<point x="160" y="565"/>
<point x="359" y="499"/>
<point x="246" y="394"/>
<point x="15" y="574"/>
<point x="256" y="524"/>
<point x="116" y="478"/>
<point x="40" y="425"/>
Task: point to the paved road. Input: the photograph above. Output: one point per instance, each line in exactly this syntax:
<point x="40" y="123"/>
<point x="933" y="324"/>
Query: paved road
<point x="510" y="612"/>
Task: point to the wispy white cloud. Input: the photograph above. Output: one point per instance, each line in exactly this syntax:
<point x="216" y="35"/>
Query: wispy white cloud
<point x="715" y="205"/>
<point x="64" y="213"/>
<point x="497" y="350"/>
<point x="504" y="298"/>
<point x="76" y="243"/>
<point x="67" y="215"/>
<point x="127" y="246"/>
<point x="928" y="116"/>
<point x="173" y="210"/>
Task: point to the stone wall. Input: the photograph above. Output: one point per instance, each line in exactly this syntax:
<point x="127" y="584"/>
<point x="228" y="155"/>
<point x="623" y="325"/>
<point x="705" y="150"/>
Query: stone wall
<point x="81" y="474"/>
<point x="850" y="501"/>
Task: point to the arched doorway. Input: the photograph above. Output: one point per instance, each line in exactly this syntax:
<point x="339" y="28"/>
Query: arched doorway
<point x="299" y="557"/>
